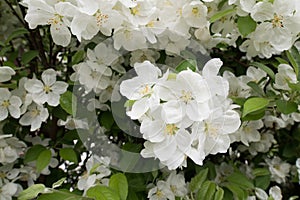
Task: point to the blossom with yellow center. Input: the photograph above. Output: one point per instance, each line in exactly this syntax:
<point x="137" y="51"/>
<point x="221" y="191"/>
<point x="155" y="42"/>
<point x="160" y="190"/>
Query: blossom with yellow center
<point x="171" y="129"/>
<point x="277" y="21"/>
<point x="186" y="96"/>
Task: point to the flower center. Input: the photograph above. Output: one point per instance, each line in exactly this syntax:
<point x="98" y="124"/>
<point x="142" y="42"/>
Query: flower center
<point x="136" y="10"/>
<point x="211" y="130"/>
<point x="35" y="112"/>
<point x="195" y="11"/>
<point x="173" y="188"/>
<point x="5" y="103"/>
<point x="47" y="89"/>
<point x="277" y="21"/>
<point x="159" y="193"/>
<point x="186" y="96"/>
<point x="56" y="19"/>
<point x="146" y="90"/>
<point x="101" y="18"/>
<point x="171" y="129"/>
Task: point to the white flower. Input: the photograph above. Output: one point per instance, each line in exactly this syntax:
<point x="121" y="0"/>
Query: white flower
<point x="279" y="169"/>
<point x="161" y="192"/>
<point x="72" y="123"/>
<point x="284" y="76"/>
<point x="212" y="134"/>
<point x="34" y="117"/>
<point x="130" y="38"/>
<point x="177" y="184"/>
<point x="248" y="132"/>
<point x="10" y="149"/>
<point x="298" y="168"/>
<point x="274" y="192"/>
<point x="194" y="14"/>
<point x="8" y="190"/>
<point x="41" y="13"/>
<point x="187" y="95"/>
<point x="47" y="91"/>
<point x="6" y="73"/>
<point x="279" y="20"/>
<point x="97" y="168"/>
<point x="9" y="104"/>
<point x="140" y="88"/>
<point x="22" y="93"/>
<point x="263" y="145"/>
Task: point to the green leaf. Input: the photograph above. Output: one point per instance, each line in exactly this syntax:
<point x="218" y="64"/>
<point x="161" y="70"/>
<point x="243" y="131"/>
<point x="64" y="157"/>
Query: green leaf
<point x="43" y="160"/>
<point x="31" y="192"/>
<point x="239" y="193"/>
<point x="294" y="58"/>
<point x="68" y="154"/>
<point x="254" y="104"/>
<point x="198" y="180"/>
<point x="17" y="33"/>
<point x="101" y="192"/>
<point x="68" y="102"/>
<point x="261" y="172"/>
<point x="107" y="120"/>
<point x="262" y="182"/>
<point x="187" y="64"/>
<point x="29" y="56"/>
<point x="241" y="180"/>
<point x="219" y="194"/>
<point x="294" y="86"/>
<point x="78" y="57"/>
<point x="286" y="107"/>
<point x="221" y="14"/>
<point x="118" y="182"/>
<point x="33" y="153"/>
<point x="254" y="116"/>
<point x="62" y="195"/>
<point x="246" y="25"/>
<point x="58" y="183"/>
<point x="281" y="61"/>
<point x="265" y="68"/>
<point x="256" y="88"/>
<point x="207" y="191"/>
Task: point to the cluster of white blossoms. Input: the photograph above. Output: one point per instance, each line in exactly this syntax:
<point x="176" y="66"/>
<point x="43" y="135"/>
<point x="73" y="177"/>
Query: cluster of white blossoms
<point x="26" y="102"/>
<point x="174" y="187"/>
<point x="182" y="115"/>
<point x="169" y="24"/>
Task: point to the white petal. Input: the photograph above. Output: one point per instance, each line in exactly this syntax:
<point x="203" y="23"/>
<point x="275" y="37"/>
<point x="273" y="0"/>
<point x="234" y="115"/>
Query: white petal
<point x="59" y="87"/>
<point x="139" y="108"/>
<point x="60" y="34"/>
<point x="34" y="86"/>
<point x="49" y="77"/>
<point x="3" y="113"/>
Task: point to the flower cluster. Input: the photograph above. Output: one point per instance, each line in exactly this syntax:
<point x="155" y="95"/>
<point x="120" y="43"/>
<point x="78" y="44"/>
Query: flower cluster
<point x="169" y="24"/>
<point x="187" y="114"/>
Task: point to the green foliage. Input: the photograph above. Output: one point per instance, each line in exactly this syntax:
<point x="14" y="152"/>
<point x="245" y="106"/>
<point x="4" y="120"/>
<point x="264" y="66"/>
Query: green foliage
<point x="68" y="102"/>
<point x="198" y="180"/>
<point x="33" y="153"/>
<point x="32" y="192"/>
<point x="43" y="160"/>
<point x="187" y="64"/>
<point x="68" y="154"/>
<point x="286" y="107"/>
<point x="255" y="105"/>
<point x="100" y="192"/>
<point x="221" y="14"/>
<point x="29" y="56"/>
<point x="246" y="25"/>
<point x="118" y="182"/>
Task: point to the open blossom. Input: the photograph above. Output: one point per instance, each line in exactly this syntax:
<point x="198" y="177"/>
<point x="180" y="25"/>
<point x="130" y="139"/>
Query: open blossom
<point x="97" y="169"/>
<point x="285" y="75"/>
<point x="6" y="73"/>
<point x="35" y="116"/>
<point x="279" y="169"/>
<point x="47" y="91"/>
<point x="9" y="104"/>
<point x="10" y="149"/>
<point x="182" y="115"/>
<point x="140" y="88"/>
